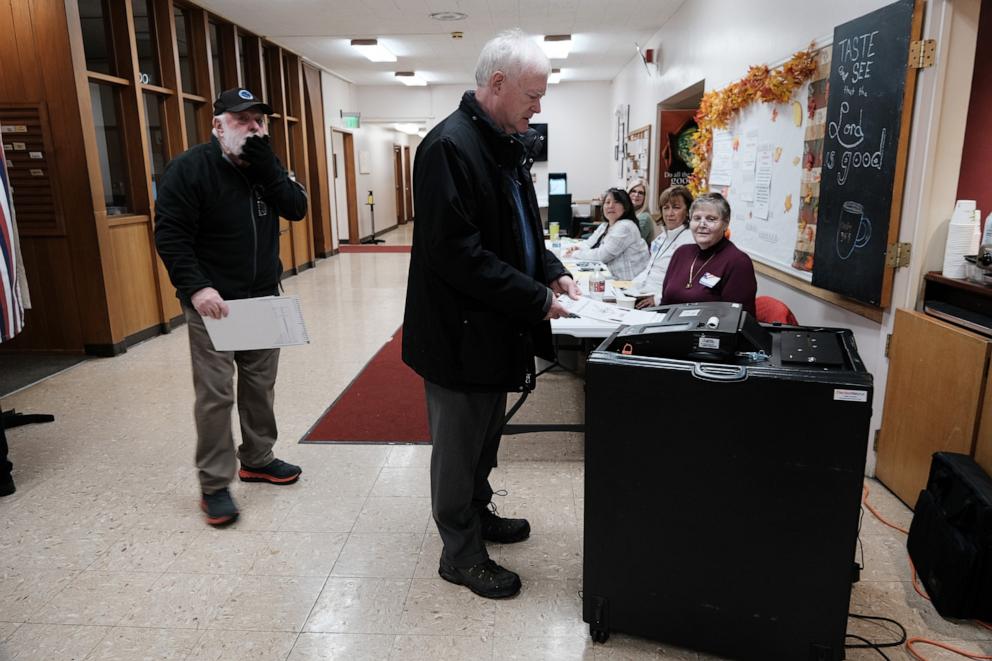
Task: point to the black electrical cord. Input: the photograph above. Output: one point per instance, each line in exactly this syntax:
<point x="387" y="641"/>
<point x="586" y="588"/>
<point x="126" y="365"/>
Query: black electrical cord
<point x="877" y="646"/>
<point x="868" y="644"/>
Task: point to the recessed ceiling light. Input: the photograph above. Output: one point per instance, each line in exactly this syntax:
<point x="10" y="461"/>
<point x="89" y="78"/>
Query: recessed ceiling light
<point x="556" y="46"/>
<point x="373" y="50"/>
<point x="410" y="78"/>
<point x="409" y="129"/>
<point x="554" y="77"/>
<point x="449" y="16"/>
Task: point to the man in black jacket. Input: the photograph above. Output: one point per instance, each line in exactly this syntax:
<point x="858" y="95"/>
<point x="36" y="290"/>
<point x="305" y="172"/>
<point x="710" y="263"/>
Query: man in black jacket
<point x="217" y="231"/>
<point x="481" y="290"/>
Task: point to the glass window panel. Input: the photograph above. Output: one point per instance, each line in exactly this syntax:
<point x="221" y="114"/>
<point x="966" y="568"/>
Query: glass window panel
<point x="266" y="77"/>
<point x="156" y="139"/>
<point x="94" y="21"/>
<point x="291" y="129"/>
<point x="243" y="59"/>
<point x="110" y="146"/>
<point x="215" y="56"/>
<point x="288" y="73"/>
<point x="145" y="39"/>
<point x="192" y="124"/>
<point x="183" y="32"/>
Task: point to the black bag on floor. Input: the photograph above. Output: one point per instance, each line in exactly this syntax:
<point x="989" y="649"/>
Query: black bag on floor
<point x="950" y="539"/>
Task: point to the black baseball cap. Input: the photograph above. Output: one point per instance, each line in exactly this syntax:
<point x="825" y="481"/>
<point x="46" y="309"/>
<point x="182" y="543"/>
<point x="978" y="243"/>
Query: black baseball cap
<point x="238" y="99"/>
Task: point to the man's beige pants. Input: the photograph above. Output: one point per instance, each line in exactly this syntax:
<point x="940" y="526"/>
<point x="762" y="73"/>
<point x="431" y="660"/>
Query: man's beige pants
<point x="213" y="383"/>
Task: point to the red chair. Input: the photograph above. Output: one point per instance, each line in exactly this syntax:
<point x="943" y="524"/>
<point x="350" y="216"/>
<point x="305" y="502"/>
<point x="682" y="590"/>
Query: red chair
<point x="770" y="310"/>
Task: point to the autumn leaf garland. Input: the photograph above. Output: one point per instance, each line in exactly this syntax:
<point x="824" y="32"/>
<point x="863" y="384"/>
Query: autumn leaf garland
<point x="719" y="107"/>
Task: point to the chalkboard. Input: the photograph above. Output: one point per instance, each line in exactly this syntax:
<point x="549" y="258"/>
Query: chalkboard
<point x="864" y="151"/>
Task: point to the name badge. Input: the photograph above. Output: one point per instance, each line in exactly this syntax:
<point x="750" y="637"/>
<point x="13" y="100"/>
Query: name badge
<point x="709" y="280"/>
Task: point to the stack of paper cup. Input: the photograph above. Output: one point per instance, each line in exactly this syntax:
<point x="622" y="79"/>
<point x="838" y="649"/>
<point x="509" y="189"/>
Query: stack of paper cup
<point x="963" y="235"/>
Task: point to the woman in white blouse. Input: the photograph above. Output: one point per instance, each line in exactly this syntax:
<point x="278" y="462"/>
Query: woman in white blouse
<point x="617" y="243"/>
<point x="673" y="232"/>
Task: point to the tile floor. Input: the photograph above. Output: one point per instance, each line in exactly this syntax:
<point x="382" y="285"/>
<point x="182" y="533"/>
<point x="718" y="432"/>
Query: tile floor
<point x="104" y="555"/>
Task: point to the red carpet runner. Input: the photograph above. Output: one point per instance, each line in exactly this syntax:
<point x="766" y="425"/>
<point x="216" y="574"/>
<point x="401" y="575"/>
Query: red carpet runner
<point x="384" y="404"/>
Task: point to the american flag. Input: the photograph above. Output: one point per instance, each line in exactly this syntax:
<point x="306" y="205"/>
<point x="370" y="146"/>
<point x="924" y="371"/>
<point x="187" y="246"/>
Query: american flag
<point x="11" y="305"/>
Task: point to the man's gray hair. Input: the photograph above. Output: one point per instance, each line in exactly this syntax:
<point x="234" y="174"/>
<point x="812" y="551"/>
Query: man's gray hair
<point x="513" y="52"/>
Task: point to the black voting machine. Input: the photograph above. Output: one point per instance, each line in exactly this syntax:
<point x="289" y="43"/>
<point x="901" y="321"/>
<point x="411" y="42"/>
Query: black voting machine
<point x="724" y="463"/>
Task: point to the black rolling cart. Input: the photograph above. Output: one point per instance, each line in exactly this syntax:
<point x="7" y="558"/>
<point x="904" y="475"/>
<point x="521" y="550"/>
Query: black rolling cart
<point x="726" y="521"/>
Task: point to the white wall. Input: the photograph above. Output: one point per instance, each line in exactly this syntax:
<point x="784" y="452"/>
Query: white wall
<point x="578" y="116"/>
<point x="378" y="140"/>
<point x="716" y="41"/>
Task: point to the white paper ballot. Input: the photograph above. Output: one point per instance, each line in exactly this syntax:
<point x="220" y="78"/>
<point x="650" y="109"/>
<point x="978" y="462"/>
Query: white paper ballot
<point x="259" y="323"/>
<point x="590" y="309"/>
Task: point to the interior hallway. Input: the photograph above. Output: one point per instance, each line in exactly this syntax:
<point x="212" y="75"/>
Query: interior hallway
<point x="105" y="554"/>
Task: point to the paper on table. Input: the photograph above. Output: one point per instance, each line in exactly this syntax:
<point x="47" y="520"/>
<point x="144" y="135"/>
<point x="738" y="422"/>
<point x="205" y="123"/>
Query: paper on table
<point x="590" y="309"/>
<point x="259" y="323"/>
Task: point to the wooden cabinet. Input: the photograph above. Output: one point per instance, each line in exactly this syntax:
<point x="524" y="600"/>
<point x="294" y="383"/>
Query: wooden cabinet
<point x="935" y="396"/>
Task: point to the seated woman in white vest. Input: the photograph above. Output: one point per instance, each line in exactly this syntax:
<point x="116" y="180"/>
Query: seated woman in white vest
<point x="673" y="231"/>
<point x="617" y="242"/>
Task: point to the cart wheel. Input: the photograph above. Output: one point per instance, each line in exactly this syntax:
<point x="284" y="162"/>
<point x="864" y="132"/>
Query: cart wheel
<point x="599" y="635"/>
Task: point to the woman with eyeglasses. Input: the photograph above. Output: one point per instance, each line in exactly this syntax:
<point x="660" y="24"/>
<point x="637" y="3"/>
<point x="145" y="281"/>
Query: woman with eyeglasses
<point x="672" y="234"/>
<point x="713" y="269"/>
<point x="617" y="242"/>
<point x="639" y="198"/>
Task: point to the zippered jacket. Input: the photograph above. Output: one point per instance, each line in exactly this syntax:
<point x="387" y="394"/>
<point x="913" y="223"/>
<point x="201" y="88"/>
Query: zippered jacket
<point x="216" y="227"/>
<point x="474" y="317"/>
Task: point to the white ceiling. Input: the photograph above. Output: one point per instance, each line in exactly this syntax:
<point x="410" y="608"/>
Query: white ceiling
<point x="603" y="32"/>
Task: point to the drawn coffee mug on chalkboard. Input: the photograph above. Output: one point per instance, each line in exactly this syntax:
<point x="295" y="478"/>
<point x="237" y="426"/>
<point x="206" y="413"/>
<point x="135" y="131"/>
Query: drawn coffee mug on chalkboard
<point x="853" y="229"/>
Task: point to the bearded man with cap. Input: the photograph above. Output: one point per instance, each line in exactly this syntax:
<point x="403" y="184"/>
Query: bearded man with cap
<point x="217" y="231"/>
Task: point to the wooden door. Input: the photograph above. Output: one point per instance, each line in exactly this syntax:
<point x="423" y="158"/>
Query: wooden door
<point x="398" y="179"/>
<point x="983" y="439"/>
<point x="933" y="394"/>
<point x="354" y="237"/>
<point x="320" y="198"/>
<point x="407" y="184"/>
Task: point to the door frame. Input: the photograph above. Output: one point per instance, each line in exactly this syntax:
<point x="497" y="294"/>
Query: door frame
<point x="398" y="179"/>
<point x="349" y="185"/>
<point x="407" y="185"/>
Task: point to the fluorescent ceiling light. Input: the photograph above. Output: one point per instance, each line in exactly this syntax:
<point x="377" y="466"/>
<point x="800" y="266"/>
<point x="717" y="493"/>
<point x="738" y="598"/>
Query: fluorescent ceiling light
<point x="410" y="78"/>
<point x="556" y="46"/>
<point x="372" y="49"/>
<point x="554" y="77"/>
<point x="409" y="129"/>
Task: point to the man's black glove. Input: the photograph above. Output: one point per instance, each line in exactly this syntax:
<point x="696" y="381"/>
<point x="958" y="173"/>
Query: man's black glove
<point x="263" y="166"/>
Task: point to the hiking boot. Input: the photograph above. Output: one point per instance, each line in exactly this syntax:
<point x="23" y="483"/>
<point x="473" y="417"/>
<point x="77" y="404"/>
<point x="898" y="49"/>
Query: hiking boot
<point x="486" y="579"/>
<point x="219" y="508"/>
<point x="7" y="486"/>
<point x="497" y="529"/>
<point x="276" y="472"/>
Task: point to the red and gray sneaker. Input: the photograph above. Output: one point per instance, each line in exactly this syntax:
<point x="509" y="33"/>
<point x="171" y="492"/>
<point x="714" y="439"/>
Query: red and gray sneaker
<point x="219" y="508"/>
<point x="276" y="472"/>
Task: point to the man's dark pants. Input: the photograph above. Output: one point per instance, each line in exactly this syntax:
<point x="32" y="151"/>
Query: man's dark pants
<point x="5" y="466"/>
<point x="465" y="432"/>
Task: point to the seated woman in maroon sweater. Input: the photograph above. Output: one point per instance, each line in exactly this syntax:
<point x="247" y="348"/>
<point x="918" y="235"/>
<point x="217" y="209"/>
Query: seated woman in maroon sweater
<point x="713" y="269"/>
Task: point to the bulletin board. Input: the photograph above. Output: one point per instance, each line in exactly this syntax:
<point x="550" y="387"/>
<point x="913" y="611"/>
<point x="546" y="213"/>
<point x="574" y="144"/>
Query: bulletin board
<point x="815" y="183"/>
<point x="637" y="154"/>
<point x="767" y="165"/>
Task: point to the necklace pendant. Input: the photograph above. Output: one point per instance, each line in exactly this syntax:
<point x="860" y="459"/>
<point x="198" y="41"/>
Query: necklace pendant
<point x="688" y="285"/>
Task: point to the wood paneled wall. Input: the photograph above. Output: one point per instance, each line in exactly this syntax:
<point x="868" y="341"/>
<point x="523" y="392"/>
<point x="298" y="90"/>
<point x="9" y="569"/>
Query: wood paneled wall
<point x="66" y="275"/>
<point x="95" y="279"/>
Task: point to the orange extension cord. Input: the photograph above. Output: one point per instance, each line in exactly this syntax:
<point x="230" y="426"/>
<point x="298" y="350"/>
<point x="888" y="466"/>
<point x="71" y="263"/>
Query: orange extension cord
<point x="916" y="586"/>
